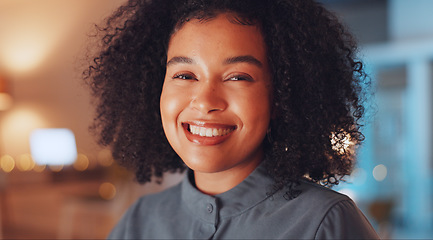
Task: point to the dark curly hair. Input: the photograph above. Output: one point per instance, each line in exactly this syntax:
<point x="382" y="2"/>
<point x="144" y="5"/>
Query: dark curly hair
<point x="318" y="85"/>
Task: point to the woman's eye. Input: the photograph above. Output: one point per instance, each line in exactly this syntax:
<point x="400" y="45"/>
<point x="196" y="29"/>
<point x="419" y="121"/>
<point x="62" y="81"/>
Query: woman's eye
<point x="240" y="78"/>
<point x="184" y="76"/>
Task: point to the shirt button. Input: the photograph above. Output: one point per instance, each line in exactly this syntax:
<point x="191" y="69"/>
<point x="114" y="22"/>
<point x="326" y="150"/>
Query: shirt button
<point x="210" y="208"/>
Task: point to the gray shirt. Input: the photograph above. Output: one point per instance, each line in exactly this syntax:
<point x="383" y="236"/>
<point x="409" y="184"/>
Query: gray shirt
<point x="246" y="211"/>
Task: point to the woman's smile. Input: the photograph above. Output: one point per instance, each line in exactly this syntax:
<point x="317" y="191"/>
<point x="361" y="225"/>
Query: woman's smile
<point x="207" y="133"/>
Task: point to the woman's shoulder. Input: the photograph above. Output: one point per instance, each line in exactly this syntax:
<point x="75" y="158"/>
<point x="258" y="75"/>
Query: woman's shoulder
<point x="308" y="196"/>
<point x="336" y="215"/>
<point x="318" y="193"/>
<point x="317" y="201"/>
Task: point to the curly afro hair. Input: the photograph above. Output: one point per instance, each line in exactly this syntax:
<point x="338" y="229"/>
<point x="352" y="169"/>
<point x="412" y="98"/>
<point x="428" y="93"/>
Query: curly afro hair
<point x="318" y="85"/>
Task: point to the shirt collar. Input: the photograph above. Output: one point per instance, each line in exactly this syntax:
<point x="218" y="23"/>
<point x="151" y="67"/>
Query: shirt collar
<point x="251" y="191"/>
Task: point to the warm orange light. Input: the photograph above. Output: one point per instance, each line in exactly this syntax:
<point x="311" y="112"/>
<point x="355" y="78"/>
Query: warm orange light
<point x="7" y="163"/>
<point x="25" y="162"/>
<point x="39" y="168"/>
<point x="30" y="31"/>
<point x="56" y="168"/>
<point x="82" y="162"/>
<point x="16" y="126"/>
<point x="107" y="191"/>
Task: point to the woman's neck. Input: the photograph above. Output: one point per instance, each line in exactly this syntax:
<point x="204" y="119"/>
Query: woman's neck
<point x="219" y="182"/>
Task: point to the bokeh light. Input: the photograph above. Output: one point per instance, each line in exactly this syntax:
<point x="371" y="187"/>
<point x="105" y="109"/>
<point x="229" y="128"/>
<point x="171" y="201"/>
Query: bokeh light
<point x="29" y="33"/>
<point x="55" y="168"/>
<point x="380" y="172"/>
<point x="7" y="163"/>
<point x="25" y="162"/>
<point x="39" y="168"/>
<point x="53" y="146"/>
<point x="16" y="126"/>
<point x="107" y="191"/>
<point x="82" y="162"/>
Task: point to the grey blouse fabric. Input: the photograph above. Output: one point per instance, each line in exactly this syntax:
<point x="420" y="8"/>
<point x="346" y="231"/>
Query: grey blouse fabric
<point x="244" y="212"/>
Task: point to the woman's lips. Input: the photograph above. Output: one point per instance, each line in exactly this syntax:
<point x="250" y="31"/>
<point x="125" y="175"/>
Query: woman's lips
<point x="207" y="133"/>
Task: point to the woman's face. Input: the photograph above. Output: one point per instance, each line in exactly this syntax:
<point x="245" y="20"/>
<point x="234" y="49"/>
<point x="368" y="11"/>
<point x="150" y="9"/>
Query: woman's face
<point x="216" y="98"/>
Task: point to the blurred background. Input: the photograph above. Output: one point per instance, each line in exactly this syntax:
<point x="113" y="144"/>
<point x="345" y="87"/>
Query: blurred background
<point x="45" y="105"/>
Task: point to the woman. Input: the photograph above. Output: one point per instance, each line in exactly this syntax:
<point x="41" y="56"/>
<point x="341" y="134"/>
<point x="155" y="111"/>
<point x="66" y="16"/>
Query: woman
<point x="259" y="100"/>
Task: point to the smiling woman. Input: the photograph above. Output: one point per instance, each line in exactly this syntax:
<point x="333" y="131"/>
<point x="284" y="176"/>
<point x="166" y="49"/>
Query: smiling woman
<point x="252" y="98"/>
<point x="217" y="82"/>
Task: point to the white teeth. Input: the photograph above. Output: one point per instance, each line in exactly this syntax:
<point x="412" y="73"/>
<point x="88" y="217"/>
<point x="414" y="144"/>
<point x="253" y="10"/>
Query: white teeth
<point x="208" y="132"/>
<point x="202" y="131"/>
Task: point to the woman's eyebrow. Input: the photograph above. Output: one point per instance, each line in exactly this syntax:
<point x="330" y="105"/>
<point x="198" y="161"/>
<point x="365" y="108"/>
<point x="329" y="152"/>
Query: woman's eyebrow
<point x="244" y="59"/>
<point x="232" y="60"/>
<point x="186" y="60"/>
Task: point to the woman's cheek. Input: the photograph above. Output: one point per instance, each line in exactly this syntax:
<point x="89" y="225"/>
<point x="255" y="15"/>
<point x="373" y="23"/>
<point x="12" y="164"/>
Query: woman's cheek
<point x="173" y="102"/>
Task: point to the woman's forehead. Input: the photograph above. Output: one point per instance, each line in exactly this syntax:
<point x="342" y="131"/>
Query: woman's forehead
<point x="221" y="30"/>
<point x="204" y="17"/>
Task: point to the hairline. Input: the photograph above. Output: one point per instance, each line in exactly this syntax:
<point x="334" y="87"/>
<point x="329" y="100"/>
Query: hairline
<point x="206" y="16"/>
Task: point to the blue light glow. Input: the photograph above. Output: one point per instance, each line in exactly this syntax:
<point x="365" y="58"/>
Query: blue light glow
<point x="53" y="146"/>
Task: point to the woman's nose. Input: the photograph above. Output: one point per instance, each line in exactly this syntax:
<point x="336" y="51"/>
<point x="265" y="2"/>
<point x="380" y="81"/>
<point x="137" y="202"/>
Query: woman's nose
<point x="208" y="98"/>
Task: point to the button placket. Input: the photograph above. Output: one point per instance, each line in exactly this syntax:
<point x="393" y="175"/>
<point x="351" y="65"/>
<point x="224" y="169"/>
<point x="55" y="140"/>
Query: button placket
<point x="209" y="211"/>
